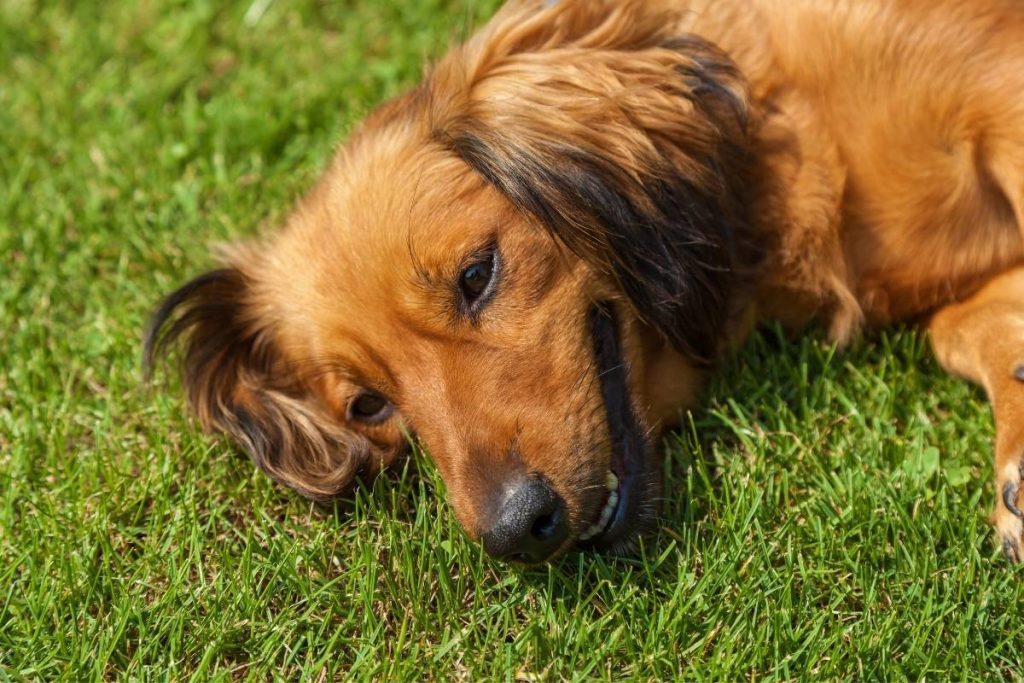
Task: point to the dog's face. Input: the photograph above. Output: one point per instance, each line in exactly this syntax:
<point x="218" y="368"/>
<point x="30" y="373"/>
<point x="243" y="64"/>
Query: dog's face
<point x="522" y="262"/>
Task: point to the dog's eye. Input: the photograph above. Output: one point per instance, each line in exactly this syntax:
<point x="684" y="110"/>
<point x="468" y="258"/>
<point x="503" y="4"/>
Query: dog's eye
<point x="370" y="406"/>
<point x="476" y="279"/>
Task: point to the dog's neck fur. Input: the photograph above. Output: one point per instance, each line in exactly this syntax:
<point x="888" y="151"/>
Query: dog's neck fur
<point x="799" y="274"/>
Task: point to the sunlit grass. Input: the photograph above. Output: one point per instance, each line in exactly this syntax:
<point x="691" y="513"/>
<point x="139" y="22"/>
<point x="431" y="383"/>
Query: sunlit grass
<point x="825" y="512"/>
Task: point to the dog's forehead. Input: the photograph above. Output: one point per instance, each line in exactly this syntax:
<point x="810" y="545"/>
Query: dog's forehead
<point x="394" y="201"/>
<point x="381" y="238"/>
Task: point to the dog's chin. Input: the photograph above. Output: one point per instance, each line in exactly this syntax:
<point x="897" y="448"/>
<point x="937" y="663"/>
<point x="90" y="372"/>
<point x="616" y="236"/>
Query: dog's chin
<point x="627" y="510"/>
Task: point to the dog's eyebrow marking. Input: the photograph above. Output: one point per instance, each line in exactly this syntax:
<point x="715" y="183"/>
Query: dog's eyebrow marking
<point x="315" y="367"/>
<point x="422" y="275"/>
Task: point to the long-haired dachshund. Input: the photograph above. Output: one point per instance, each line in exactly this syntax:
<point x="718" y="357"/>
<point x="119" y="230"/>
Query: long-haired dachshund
<point x="532" y="260"/>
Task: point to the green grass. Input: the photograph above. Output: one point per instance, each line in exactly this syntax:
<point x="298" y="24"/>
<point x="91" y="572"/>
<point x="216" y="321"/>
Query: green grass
<point x="825" y="514"/>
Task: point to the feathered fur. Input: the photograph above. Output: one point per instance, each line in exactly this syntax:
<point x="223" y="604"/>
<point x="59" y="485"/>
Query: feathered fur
<point x="688" y="166"/>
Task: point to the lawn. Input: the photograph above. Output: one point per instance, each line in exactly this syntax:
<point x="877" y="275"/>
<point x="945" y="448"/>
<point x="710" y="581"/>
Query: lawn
<point x="825" y="513"/>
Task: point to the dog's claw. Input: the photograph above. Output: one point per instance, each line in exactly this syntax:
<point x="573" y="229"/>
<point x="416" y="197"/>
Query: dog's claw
<point x="1011" y="550"/>
<point x="1019" y="373"/>
<point x="1007" y="516"/>
<point x="1010" y="499"/>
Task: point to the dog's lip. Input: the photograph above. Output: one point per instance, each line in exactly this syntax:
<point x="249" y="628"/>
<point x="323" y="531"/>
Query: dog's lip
<point x="628" y="442"/>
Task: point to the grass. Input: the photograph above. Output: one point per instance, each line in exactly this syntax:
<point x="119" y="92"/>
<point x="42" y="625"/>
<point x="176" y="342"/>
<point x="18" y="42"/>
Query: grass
<point x="826" y="516"/>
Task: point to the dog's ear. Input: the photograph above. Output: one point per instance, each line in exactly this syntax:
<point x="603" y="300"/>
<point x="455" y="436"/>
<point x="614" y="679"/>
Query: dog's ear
<point x="238" y="383"/>
<point x="624" y="141"/>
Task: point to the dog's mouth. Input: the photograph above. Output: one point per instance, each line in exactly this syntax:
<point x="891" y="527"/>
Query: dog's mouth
<point x="626" y="511"/>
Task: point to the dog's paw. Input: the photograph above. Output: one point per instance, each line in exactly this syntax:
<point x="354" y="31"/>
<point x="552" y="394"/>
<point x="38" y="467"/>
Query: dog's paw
<point x="1008" y="516"/>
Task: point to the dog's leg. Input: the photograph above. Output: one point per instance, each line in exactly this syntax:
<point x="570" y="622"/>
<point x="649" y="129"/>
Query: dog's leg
<point x="982" y="339"/>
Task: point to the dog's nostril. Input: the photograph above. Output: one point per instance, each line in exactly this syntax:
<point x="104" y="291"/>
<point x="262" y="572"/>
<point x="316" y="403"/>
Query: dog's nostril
<point x="546" y="526"/>
<point x="529" y="524"/>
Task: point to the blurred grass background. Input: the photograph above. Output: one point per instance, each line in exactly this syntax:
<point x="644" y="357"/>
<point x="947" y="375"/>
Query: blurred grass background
<point x="825" y="514"/>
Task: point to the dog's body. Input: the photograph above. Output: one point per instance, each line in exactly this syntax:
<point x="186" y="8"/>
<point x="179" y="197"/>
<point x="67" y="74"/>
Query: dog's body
<point x="534" y="257"/>
<point x="893" y="153"/>
<point x="892" y="157"/>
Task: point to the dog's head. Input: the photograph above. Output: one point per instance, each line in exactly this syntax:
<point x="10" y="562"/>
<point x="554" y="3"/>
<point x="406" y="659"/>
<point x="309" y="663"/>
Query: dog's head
<point x="525" y="261"/>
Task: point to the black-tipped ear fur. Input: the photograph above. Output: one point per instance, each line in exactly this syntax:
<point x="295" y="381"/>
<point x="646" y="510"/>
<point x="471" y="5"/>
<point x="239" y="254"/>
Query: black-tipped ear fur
<point x="237" y="383"/>
<point x="631" y="151"/>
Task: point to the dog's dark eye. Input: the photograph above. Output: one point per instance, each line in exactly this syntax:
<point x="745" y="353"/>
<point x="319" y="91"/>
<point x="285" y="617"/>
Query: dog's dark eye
<point x="370" y="407"/>
<point x="476" y="279"/>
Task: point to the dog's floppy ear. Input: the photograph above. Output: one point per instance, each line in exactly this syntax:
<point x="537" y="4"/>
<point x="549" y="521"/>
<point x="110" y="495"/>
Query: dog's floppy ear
<point x="238" y="383"/>
<point x="626" y="142"/>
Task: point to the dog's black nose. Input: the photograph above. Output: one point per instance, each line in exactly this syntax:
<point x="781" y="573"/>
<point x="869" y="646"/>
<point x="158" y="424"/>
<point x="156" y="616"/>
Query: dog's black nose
<point x="529" y="524"/>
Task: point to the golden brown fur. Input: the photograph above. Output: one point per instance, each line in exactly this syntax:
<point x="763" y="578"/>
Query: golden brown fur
<point x="691" y="166"/>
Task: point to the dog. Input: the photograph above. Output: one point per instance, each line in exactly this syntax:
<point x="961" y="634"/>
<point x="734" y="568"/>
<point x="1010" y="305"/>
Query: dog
<point x="533" y="260"/>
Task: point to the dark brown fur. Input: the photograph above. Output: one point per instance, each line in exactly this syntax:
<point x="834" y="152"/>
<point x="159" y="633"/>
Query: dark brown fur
<point x="690" y="166"/>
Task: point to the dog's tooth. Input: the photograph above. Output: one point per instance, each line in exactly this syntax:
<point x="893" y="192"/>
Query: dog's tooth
<point x="612" y="482"/>
<point x="606" y="516"/>
<point x="609" y="508"/>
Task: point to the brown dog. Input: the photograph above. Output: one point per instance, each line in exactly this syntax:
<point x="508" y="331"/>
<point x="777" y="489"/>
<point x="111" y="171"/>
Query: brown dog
<point x="531" y="260"/>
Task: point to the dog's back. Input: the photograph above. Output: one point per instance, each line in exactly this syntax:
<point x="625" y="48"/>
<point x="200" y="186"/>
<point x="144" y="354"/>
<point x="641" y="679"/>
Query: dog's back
<point x="893" y="146"/>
